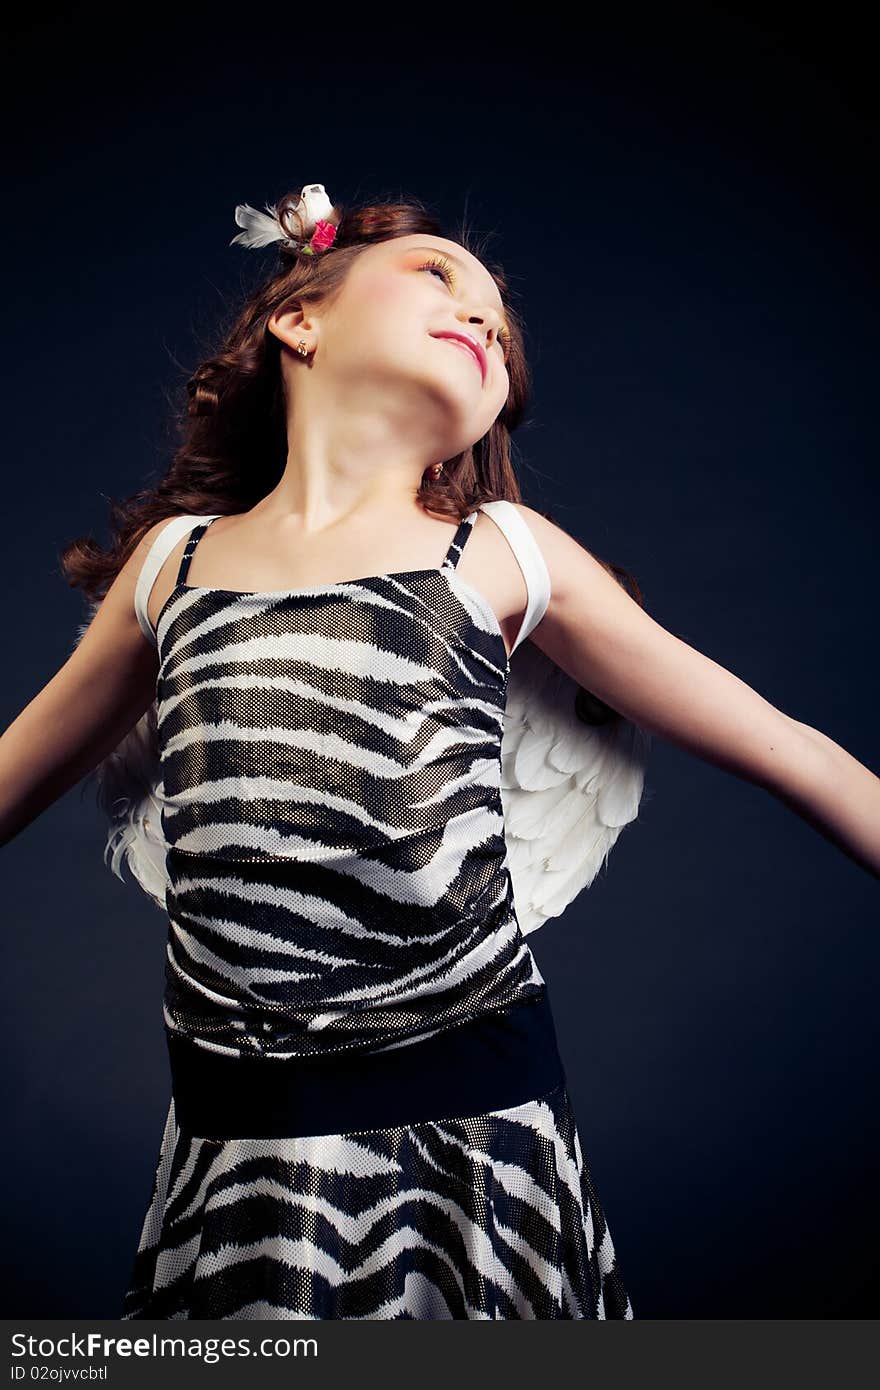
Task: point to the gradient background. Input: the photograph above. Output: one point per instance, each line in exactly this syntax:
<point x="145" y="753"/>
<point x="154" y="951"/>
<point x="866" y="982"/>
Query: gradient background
<point x="683" y="200"/>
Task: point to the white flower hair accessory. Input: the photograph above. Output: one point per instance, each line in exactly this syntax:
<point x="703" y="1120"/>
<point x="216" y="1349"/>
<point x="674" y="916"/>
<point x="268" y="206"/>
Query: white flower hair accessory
<point x="312" y="215"/>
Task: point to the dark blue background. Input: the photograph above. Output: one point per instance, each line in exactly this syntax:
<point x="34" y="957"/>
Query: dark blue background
<point x="683" y="199"/>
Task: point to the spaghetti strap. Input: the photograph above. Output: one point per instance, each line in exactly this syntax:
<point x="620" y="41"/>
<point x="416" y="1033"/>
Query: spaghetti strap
<point x="194" y="538"/>
<point x="459" y="540"/>
<point x="158" y="553"/>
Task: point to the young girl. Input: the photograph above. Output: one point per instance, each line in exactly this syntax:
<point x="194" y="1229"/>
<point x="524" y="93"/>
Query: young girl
<point x="321" y="603"/>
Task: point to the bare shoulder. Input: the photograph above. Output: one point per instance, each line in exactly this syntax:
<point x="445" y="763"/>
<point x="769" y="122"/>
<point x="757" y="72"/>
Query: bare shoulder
<point x="130" y="572"/>
<point x="115" y="619"/>
<point x="569" y="562"/>
<point x="490" y="565"/>
<point x="145" y="544"/>
<point x="586" y="593"/>
<point x="163" y="583"/>
<point x="112" y="654"/>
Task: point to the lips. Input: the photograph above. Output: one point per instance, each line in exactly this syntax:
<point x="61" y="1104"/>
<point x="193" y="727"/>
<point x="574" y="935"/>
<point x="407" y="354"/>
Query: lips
<point x="470" y="345"/>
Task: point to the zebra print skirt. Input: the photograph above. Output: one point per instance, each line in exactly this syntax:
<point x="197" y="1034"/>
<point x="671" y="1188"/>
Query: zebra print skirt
<point x="483" y="1214"/>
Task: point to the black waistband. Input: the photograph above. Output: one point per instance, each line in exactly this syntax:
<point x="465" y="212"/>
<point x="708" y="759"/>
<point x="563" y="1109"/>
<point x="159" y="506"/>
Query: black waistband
<point x="492" y="1063"/>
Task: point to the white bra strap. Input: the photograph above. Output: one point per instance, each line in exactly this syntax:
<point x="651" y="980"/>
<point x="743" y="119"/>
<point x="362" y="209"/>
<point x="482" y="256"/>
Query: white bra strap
<point x="156" y="556"/>
<point x="530" y="560"/>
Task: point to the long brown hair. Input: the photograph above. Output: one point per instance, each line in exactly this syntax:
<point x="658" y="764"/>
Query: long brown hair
<point x="232" y="415"/>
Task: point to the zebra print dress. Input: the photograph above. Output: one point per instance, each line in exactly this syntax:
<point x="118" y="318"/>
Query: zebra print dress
<point x="369" y="1116"/>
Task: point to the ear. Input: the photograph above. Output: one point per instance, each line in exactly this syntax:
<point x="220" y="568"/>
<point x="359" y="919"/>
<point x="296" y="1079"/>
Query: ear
<point x="291" y="325"/>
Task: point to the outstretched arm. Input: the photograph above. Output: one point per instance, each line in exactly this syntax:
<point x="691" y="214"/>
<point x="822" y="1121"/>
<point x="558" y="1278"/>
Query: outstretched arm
<point x="605" y="641"/>
<point x="84" y="711"/>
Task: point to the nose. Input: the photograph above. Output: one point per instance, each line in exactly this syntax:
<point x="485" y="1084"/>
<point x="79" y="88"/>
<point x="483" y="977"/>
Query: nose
<point x="483" y="317"/>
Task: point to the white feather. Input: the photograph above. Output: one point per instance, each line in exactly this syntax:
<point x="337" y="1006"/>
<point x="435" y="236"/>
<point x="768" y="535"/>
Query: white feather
<point x="262" y="228"/>
<point x="567" y="788"/>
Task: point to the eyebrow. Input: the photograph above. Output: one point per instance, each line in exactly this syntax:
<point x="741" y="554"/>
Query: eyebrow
<point x="459" y="262"/>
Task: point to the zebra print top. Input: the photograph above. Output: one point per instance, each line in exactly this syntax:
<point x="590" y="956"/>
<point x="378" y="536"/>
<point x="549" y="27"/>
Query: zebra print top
<point x="330" y="755"/>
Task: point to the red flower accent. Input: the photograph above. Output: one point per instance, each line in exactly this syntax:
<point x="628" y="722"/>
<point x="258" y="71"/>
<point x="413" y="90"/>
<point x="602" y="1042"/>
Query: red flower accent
<point x="324" y="235"/>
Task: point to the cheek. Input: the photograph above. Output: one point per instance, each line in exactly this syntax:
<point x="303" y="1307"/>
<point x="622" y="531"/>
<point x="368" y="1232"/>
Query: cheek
<point x="502" y="390"/>
<point x="382" y="319"/>
<point x="383" y="296"/>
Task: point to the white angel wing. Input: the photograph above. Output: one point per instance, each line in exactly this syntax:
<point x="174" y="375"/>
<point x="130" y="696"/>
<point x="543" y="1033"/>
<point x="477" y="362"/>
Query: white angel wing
<point x="567" y="787"/>
<point x="130" y="792"/>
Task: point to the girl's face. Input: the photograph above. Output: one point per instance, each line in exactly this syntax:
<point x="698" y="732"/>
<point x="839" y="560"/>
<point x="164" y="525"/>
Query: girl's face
<point x="379" y="346"/>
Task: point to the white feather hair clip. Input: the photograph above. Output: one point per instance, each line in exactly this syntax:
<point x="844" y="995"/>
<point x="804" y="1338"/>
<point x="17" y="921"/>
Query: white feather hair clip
<point x="312" y="215"/>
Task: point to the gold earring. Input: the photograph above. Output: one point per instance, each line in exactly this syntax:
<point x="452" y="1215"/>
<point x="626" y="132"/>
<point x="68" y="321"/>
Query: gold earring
<point x="302" y="348"/>
<point x="436" y="469"/>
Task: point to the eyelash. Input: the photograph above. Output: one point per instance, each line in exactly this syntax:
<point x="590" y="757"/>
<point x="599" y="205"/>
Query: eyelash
<point x="446" y="272"/>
